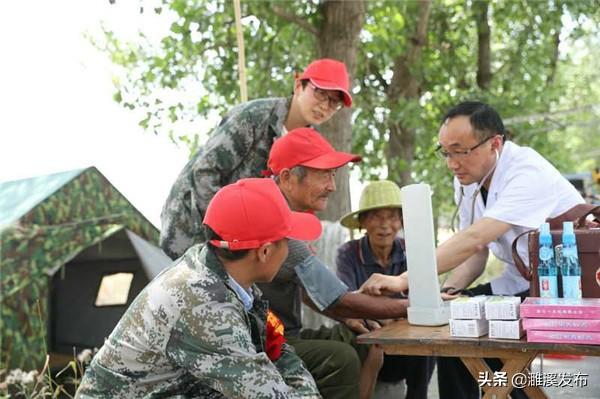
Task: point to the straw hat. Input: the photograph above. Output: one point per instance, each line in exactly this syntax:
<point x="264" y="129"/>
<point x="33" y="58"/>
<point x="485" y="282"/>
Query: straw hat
<point x="376" y="195"/>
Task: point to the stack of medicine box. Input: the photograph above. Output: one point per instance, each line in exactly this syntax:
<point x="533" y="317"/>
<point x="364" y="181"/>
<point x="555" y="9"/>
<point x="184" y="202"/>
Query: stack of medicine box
<point x="562" y="320"/>
<point x="502" y="313"/>
<point x="467" y="317"/>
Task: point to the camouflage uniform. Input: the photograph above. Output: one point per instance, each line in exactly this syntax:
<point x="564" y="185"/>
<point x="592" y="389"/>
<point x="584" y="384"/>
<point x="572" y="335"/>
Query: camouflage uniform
<point x="239" y="147"/>
<point x="188" y="335"/>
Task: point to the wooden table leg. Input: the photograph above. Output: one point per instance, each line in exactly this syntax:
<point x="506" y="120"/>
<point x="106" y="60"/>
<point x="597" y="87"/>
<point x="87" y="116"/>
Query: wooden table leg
<point x="518" y="363"/>
<point x="477" y="365"/>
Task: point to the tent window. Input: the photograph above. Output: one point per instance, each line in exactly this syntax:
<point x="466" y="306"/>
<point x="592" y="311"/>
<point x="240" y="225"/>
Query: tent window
<point x="114" y="289"/>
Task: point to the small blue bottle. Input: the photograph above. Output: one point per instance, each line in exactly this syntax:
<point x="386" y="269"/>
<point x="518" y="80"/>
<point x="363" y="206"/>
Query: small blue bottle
<point x="547" y="270"/>
<point x="570" y="268"/>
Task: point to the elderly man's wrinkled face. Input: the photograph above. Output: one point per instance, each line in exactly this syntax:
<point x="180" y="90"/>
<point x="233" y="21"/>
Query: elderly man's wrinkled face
<point x="382" y="225"/>
<point x="311" y="192"/>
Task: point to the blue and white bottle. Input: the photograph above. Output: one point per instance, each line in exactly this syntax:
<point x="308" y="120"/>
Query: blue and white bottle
<point x="570" y="268"/>
<point x="547" y="269"/>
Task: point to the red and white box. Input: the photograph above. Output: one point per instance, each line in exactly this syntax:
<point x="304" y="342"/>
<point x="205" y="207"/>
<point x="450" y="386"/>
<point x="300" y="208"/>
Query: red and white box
<point x="561" y="308"/>
<point x="562" y="324"/>
<point x="564" y="337"/>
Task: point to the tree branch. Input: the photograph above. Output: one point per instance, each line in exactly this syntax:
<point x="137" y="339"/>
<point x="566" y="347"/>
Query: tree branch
<point x="484" y="70"/>
<point x="372" y="68"/>
<point x="404" y="83"/>
<point x="301" y="22"/>
<point x="545" y="115"/>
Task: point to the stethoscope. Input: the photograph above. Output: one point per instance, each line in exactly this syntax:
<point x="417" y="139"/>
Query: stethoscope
<point x="474" y="197"/>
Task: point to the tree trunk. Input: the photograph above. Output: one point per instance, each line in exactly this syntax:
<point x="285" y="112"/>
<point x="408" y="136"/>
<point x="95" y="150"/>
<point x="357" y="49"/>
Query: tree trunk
<point x="554" y="59"/>
<point x="405" y="85"/>
<point x="515" y="60"/>
<point x="338" y="38"/>
<point x="484" y="69"/>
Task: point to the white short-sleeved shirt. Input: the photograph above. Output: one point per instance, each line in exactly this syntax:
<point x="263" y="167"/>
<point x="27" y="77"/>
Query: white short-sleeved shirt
<point x="524" y="191"/>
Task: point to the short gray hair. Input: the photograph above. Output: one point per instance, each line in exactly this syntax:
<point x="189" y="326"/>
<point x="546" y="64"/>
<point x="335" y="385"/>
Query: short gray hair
<point x="298" y="170"/>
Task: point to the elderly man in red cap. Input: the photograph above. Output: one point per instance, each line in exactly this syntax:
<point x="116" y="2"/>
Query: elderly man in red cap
<point x="200" y="328"/>
<point x="303" y="164"/>
<point x="239" y="148"/>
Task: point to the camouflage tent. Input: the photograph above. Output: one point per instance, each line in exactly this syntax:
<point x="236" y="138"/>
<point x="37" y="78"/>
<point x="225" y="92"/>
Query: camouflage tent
<point x="46" y="224"/>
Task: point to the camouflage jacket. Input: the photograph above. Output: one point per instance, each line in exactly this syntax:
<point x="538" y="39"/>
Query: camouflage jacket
<point x="187" y="335"/>
<point x="238" y="148"/>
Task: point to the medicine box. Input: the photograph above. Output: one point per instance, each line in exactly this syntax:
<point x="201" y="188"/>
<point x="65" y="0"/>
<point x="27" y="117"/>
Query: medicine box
<point x="505" y="329"/>
<point x="502" y="308"/>
<point x="471" y="328"/>
<point x="561" y="324"/>
<point x="468" y="307"/>
<point x="566" y="337"/>
<point x="561" y="308"/>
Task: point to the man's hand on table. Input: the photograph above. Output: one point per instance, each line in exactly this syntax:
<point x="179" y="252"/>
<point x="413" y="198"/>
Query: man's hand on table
<point x="450" y="293"/>
<point x="380" y="284"/>
<point x="362" y="326"/>
<point x="449" y="297"/>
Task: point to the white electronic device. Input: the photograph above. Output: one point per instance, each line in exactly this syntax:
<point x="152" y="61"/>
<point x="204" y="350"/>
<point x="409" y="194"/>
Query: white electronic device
<point x="426" y="306"/>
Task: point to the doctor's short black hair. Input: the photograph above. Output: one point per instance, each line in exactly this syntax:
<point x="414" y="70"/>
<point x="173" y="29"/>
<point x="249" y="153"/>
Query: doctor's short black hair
<point x="485" y="120"/>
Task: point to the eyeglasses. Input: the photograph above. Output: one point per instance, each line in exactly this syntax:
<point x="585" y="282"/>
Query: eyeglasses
<point x="441" y="153"/>
<point x="335" y="103"/>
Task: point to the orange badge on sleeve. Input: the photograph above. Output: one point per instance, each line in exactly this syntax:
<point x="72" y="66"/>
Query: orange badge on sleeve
<point x="275" y="336"/>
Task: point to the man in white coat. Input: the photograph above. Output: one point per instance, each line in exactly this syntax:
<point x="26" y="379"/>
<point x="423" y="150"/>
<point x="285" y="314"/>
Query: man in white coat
<point x="501" y="190"/>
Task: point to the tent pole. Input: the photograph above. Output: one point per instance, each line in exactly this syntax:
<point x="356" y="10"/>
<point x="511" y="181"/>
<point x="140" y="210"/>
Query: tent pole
<point x="241" y="57"/>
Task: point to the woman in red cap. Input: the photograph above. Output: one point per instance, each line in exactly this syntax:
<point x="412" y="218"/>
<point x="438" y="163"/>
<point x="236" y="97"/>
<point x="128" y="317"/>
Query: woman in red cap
<point x="239" y="147"/>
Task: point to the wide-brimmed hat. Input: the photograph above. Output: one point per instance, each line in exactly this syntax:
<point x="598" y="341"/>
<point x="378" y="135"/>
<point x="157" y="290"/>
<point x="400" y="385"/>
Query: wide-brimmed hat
<point x="376" y="195"/>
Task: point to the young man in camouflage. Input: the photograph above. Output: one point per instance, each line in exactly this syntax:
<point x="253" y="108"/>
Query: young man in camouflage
<point x="198" y="330"/>
<point x="303" y="163"/>
<point x="239" y="147"/>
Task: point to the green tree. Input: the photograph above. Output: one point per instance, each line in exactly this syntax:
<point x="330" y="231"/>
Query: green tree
<point x="280" y="40"/>
<point x="410" y="61"/>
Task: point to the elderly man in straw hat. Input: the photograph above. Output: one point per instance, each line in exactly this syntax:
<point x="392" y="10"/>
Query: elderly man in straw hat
<point x="380" y="250"/>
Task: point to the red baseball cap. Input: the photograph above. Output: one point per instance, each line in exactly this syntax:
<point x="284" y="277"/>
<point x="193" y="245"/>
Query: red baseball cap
<point x="305" y="146"/>
<point x="252" y="212"/>
<point x="328" y="74"/>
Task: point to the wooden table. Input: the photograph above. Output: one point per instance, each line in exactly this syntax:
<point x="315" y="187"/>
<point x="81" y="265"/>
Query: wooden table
<point x="401" y="338"/>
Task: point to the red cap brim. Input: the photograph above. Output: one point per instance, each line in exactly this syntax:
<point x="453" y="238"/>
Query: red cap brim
<point x="328" y="85"/>
<point x="305" y="227"/>
<point x="332" y="160"/>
